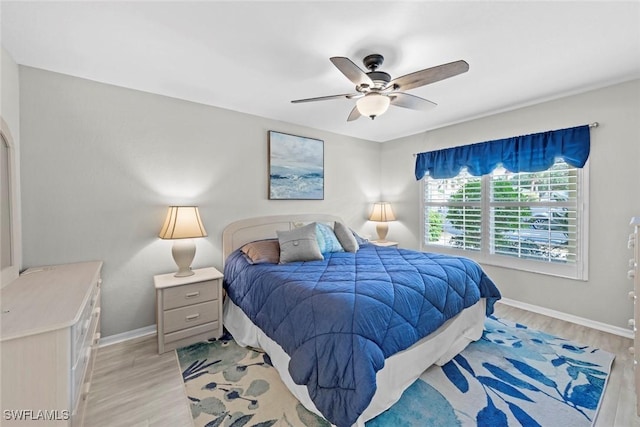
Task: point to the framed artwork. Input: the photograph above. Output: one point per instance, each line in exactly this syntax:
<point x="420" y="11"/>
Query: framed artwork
<point x="296" y="167"/>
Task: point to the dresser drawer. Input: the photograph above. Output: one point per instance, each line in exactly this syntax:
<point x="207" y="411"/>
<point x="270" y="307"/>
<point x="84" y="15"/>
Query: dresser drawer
<point x="77" y="377"/>
<point x="180" y="296"/>
<point x="82" y="331"/>
<point x="187" y="317"/>
<point x="93" y="329"/>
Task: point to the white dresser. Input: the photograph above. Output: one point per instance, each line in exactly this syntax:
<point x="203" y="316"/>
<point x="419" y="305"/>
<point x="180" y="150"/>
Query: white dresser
<point x="634" y="274"/>
<point x="49" y="336"/>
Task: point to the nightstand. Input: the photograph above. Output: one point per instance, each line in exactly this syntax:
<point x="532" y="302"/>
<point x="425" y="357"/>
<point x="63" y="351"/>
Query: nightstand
<point x="188" y="309"/>
<point x="386" y="243"/>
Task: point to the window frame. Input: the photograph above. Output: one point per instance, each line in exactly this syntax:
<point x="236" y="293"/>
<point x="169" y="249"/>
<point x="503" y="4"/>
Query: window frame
<point x="577" y="271"/>
<point x="11" y="272"/>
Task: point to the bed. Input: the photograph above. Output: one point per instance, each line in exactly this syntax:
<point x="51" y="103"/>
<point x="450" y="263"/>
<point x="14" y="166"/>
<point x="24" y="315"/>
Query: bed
<point x="344" y="368"/>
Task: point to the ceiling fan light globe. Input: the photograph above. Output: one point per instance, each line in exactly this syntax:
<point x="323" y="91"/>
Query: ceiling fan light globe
<point x="373" y="105"/>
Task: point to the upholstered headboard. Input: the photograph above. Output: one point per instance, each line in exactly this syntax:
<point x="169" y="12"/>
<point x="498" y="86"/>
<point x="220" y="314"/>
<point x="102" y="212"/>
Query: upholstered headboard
<point x="238" y="233"/>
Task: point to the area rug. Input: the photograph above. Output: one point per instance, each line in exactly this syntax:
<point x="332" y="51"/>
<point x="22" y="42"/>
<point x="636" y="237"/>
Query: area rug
<point x="512" y="376"/>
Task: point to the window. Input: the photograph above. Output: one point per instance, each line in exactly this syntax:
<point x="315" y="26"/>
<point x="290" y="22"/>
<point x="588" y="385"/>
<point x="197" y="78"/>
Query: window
<point x="532" y="221"/>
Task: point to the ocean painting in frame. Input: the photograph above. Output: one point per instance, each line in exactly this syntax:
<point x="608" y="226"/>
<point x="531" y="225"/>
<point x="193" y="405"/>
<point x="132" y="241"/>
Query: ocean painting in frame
<point x="296" y="167"/>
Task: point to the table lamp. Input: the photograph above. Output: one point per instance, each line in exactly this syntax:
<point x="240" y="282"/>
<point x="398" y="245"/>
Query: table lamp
<point x="183" y="224"/>
<point x="382" y="214"/>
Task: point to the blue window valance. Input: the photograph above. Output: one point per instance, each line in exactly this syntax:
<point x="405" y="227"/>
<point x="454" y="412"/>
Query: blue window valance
<point x="527" y="153"/>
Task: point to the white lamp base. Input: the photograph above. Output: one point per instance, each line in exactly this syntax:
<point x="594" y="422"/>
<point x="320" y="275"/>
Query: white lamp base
<point x="382" y="228"/>
<point x="183" y="251"/>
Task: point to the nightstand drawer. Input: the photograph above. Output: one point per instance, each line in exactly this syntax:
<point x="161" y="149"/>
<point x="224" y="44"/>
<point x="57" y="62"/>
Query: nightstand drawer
<point x="196" y="330"/>
<point x="193" y="315"/>
<point x="180" y="296"/>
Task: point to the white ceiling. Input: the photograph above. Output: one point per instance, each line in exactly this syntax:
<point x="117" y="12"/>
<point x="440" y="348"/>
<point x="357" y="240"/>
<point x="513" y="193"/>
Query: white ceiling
<point x="255" y="57"/>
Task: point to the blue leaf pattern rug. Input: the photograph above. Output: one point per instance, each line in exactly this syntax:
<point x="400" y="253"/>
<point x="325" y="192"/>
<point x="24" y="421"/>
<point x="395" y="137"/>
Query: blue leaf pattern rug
<point x="512" y="376"/>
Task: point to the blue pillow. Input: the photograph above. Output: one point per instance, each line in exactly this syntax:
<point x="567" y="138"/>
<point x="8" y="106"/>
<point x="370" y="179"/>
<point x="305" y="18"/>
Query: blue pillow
<point x="361" y="240"/>
<point x="327" y="240"/>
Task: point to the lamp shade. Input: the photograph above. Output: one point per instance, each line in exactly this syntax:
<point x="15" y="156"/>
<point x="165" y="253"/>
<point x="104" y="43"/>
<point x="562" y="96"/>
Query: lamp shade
<point x="373" y="104"/>
<point x="182" y="222"/>
<point x="382" y="212"/>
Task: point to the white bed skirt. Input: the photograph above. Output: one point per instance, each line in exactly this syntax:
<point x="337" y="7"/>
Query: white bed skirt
<point x="400" y="370"/>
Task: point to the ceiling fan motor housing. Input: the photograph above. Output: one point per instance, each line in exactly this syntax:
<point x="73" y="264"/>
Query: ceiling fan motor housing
<point x="373" y="62"/>
<point x="380" y="78"/>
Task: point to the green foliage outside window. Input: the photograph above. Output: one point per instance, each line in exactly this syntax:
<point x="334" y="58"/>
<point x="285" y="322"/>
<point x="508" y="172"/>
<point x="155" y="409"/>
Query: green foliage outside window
<point x="435" y="226"/>
<point x="468" y="219"/>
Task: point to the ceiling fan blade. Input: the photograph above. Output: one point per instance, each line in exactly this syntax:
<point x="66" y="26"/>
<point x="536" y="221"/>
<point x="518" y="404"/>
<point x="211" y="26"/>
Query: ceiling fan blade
<point x="351" y="70"/>
<point x="413" y="102"/>
<point x="324" y="98"/>
<point x="429" y="75"/>
<point x="354" y="115"/>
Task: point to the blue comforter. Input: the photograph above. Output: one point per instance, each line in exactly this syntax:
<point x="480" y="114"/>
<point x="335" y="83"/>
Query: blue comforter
<point x="338" y="319"/>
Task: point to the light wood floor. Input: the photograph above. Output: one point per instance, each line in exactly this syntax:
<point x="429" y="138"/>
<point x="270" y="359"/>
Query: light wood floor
<point x="133" y="386"/>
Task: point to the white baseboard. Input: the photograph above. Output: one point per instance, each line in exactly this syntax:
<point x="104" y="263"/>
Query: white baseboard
<point x="129" y="335"/>
<point x="605" y="327"/>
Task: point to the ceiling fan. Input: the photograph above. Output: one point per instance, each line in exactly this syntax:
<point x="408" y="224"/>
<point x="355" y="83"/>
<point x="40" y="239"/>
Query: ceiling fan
<point x="375" y="90"/>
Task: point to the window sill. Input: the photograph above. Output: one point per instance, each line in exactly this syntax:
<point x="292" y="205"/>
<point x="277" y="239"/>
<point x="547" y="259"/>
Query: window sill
<point x="566" y="271"/>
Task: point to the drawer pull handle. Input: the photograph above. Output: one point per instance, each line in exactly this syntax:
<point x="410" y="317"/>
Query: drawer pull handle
<point x="192" y="317"/>
<point x="192" y="294"/>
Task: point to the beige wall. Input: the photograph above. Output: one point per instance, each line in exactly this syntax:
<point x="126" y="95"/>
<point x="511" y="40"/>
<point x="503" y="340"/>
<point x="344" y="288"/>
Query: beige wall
<point x="102" y="163"/>
<point x="614" y="195"/>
